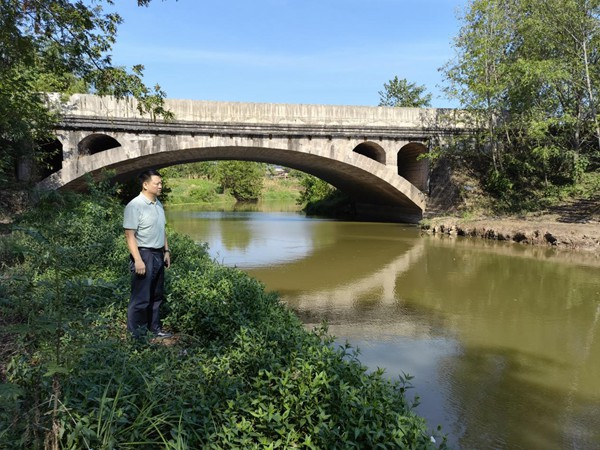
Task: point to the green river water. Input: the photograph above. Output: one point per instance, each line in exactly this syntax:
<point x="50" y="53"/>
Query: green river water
<point x="503" y="340"/>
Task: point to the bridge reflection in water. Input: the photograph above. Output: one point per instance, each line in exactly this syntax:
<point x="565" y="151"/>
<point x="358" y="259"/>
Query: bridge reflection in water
<point x="502" y="339"/>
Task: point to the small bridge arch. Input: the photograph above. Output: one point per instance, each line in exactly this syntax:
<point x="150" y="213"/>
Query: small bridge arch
<point x="96" y="143"/>
<point x="371" y="150"/>
<point x="413" y="165"/>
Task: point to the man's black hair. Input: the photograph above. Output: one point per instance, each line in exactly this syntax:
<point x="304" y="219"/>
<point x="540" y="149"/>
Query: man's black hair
<point x="146" y="175"/>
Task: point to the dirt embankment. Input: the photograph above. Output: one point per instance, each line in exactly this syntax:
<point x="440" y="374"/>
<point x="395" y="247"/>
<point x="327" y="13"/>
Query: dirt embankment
<point x="574" y="224"/>
<point x="543" y="230"/>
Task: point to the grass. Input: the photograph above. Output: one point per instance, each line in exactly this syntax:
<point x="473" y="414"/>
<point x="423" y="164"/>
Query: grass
<point x="279" y="189"/>
<point x="203" y="191"/>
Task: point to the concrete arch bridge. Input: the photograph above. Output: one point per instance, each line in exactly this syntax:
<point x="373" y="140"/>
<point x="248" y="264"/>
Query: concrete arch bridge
<point x="370" y="153"/>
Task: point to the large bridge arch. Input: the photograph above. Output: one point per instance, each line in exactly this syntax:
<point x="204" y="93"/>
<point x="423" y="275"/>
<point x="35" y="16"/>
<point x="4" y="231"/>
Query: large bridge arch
<point x="363" y="179"/>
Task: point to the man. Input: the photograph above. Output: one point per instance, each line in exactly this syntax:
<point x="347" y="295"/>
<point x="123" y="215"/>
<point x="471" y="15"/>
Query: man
<point x="144" y="223"/>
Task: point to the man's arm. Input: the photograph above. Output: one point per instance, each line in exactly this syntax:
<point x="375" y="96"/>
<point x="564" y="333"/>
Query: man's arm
<point x="167" y="253"/>
<point x="140" y="267"/>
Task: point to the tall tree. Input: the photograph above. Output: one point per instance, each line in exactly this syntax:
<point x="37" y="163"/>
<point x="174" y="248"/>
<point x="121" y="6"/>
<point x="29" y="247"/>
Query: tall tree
<point x="402" y="93"/>
<point x="57" y="46"/>
<point x="573" y="50"/>
<point x="243" y="178"/>
<point x="477" y="73"/>
<point x="527" y="73"/>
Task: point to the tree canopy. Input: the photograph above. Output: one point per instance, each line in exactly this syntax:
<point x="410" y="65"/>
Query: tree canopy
<point x="400" y="92"/>
<point x="528" y="73"/>
<point x="57" y="46"/>
<point x="243" y="178"/>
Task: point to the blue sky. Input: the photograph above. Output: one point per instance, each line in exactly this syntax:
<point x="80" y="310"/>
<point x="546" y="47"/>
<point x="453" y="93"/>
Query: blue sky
<point x="288" y="51"/>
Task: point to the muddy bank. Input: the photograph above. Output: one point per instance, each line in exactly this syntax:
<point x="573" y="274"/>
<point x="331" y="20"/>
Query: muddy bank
<point x="539" y="231"/>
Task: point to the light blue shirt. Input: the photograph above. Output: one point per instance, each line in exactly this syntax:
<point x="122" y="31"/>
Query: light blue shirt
<point x="148" y="220"/>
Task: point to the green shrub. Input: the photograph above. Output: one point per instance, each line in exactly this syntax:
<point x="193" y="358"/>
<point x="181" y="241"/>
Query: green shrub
<point x="203" y="194"/>
<point x="213" y="300"/>
<point x="241" y="373"/>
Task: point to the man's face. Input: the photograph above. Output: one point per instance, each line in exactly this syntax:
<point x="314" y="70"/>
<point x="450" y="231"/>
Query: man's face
<point x="154" y="185"/>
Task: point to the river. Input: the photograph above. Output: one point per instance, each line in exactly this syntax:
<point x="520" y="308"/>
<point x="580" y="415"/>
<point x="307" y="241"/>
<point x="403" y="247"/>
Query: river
<point x="502" y="339"/>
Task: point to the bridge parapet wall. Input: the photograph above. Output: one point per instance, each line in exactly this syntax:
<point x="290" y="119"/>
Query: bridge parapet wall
<point x="265" y="113"/>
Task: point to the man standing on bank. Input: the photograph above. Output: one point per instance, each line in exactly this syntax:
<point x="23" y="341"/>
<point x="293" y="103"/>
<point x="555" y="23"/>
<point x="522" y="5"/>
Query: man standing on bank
<point x="144" y="223"/>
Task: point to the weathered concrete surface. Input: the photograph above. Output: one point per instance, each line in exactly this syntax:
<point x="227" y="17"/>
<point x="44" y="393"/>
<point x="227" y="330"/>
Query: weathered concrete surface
<point x="264" y="113"/>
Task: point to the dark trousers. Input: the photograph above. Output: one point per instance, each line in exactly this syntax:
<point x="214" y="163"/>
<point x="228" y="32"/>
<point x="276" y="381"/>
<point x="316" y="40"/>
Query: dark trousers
<point x="147" y="293"/>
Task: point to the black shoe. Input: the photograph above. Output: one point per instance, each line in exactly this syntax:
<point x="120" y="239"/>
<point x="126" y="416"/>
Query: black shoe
<point x="162" y="334"/>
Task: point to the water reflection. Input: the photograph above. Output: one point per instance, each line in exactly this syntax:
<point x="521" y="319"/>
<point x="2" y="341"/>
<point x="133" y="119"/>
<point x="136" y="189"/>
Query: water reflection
<point x="528" y="368"/>
<point x="502" y="339"/>
<point x="249" y="238"/>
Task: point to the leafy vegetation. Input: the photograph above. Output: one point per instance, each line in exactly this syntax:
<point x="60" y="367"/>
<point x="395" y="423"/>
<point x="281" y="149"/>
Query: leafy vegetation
<point x="198" y="170"/>
<point x="402" y="93"/>
<point x="194" y="191"/>
<point x="281" y="189"/>
<point x="57" y="46"/>
<point x="322" y="199"/>
<point x="243" y="179"/>
<point x="528" y="75"/>
<point x="242" y="371"/>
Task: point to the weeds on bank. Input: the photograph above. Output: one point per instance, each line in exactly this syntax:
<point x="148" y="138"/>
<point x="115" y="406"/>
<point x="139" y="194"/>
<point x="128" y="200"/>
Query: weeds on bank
<point x="243" y="372"/>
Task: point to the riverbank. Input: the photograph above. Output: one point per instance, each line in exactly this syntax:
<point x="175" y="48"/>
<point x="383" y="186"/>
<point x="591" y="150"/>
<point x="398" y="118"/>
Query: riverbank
<point x="572" y="224"/>
<point x="203" y="191"/>
<point x="541" y="230"/>
<point x="244" y="370"/>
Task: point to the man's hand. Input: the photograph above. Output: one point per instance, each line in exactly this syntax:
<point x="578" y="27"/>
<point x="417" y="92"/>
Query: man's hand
<point x="140" y="267"/>
<point x="167" y="259"/>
